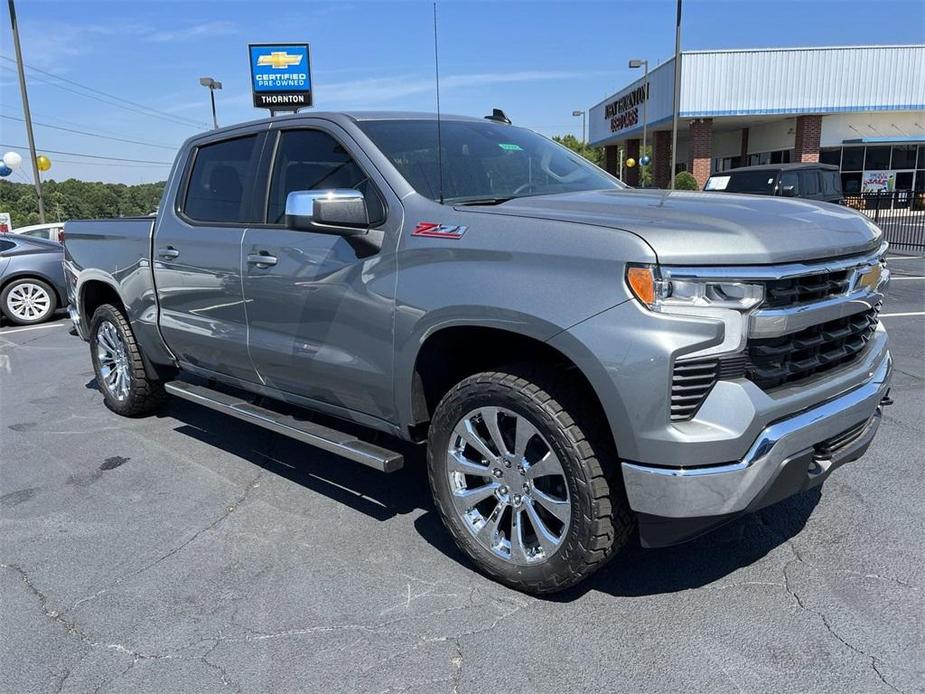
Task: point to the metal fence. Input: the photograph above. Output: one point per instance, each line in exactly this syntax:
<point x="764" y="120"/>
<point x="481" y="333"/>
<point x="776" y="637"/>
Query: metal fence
<point x="900" y="213"/>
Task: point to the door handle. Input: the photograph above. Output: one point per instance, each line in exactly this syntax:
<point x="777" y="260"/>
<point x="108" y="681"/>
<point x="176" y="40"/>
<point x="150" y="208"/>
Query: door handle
<point x="169" y="252"/>
<point x="262" y="259"/>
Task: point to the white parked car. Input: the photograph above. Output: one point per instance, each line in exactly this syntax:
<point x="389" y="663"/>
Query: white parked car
<point x="51" y="232"/>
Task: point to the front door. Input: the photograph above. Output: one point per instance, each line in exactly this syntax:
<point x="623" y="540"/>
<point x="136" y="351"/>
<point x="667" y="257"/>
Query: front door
<point x="197" y="258"/>
<point x="320" y="308"/>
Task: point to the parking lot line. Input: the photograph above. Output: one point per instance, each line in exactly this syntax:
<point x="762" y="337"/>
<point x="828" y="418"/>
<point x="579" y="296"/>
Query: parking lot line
<point x="905" y="257"/>
<point x="899" y="315"/>
<point x="32" y="327"/>
<point x="901" y="277"/>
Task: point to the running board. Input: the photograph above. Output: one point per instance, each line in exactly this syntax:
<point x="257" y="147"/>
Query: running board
<point x="325" y="438"/>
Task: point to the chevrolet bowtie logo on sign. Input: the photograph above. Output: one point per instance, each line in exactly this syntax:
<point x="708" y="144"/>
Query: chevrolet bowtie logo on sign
<point x="281" y="76"/>
<point x="869" y="278"/>
<point x="279" y="60"/>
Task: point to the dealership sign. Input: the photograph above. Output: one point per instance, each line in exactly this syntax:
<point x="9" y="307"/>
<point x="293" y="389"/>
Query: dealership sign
<point x="623" y="112"/>
<point x="281" y="77"/>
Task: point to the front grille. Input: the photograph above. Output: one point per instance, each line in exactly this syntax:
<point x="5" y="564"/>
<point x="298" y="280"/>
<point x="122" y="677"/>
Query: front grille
<point x="776" y="361"/>
<point x="806" y="289"/>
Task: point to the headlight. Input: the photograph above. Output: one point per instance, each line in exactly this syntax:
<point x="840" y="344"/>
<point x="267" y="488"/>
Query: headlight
<point x="688" y="295"/>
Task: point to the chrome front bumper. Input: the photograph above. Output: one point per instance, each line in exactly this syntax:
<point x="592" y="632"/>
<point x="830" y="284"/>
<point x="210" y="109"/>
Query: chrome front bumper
<point x="728" y="489"/>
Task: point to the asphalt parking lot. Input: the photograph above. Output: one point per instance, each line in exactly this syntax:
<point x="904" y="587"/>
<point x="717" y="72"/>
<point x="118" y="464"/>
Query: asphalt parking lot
<point x="190" y="552"/>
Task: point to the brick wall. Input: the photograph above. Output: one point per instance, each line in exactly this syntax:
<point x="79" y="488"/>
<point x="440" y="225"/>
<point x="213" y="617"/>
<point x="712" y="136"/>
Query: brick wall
<point x="661" y="159"/>
<point x="700" y="149"/>
<point x="632" y="175"/>
<point x="806" y="141"/>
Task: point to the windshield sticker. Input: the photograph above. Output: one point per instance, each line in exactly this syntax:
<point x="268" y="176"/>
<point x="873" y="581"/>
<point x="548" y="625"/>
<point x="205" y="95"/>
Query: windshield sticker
<point x="439" y="231"/>
<point x="717" y="183"/>
<point x="510" y="147"/>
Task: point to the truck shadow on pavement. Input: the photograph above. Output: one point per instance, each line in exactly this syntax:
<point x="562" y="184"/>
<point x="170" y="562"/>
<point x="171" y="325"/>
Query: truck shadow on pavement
<point x="635" y="572"/>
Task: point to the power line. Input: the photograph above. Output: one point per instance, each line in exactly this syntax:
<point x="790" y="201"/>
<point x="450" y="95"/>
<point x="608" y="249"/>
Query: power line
<point x="93" y="156"/>
<point x="132" y="106"/>
<point x="84" y="132"/>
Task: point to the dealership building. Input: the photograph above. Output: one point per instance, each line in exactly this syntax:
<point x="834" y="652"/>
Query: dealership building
<point x="861" y="108"/>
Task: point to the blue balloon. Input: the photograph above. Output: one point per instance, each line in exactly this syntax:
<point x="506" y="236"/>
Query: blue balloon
<point x="5" y="170"/>
<point x="645" y="160"/>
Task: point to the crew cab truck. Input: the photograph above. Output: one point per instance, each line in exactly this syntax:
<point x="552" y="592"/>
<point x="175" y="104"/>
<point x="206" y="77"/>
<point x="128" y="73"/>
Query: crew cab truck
<point x="581" y="359"/>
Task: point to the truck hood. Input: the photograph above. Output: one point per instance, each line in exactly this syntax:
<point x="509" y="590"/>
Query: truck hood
<point x="695" y="228"/>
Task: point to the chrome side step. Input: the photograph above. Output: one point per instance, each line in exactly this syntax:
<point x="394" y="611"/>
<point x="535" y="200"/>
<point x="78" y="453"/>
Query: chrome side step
<point x="325" y="438"/>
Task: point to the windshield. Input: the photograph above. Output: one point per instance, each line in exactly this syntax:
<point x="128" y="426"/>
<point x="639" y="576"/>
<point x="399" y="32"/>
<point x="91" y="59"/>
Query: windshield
<point x="760" y="182"/>
<point x="482" y="161"/>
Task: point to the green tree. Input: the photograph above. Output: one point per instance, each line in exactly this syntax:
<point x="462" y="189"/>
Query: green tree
<point x="74" y="199"/>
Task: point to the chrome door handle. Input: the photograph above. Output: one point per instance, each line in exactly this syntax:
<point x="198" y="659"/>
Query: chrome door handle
<point x="261" y="259"/>
<point x="170" y="252"/>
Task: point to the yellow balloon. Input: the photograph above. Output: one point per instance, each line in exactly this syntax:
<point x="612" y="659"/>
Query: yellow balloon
<point x="43" y="162"/>
<point x="630" y="163"/>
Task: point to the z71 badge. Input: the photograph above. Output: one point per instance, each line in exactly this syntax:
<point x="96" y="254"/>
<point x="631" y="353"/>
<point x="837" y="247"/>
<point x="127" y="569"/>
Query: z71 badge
<point x="439" y="231"/>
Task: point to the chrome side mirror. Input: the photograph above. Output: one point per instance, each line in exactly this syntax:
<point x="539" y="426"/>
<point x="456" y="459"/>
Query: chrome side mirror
<point x="335" y="211"/>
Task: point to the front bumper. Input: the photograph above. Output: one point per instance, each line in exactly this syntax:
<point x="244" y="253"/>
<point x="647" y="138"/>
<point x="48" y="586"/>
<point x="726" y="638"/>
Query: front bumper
<point x="792" y="454"/>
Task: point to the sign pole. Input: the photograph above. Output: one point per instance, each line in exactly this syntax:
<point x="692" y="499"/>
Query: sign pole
<point x="676" y="101"/>
<point x="27" y="115"/>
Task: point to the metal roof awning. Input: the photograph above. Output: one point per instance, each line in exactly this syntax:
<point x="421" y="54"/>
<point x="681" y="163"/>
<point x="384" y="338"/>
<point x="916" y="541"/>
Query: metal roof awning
<point x="888" y="139"/>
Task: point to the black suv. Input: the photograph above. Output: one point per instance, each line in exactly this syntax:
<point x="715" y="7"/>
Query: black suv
<point x="811" y="181"/>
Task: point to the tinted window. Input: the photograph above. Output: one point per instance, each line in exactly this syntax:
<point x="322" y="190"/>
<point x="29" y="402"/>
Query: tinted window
<point x="831" y="182"/>
<point x="313" y="160"/>
<point x="221" y="180"/>
<point x="809" y="183"/>
<point x="878" y="158"/>
<point x="791" y="179"/>
<point x="482" y="160"/>
<point x="6" y="245"/>
<point x="903" y="157"/>
<point x="830" y="156"/>
<point x="852" y="159"/>
<point x="760" y="182"/>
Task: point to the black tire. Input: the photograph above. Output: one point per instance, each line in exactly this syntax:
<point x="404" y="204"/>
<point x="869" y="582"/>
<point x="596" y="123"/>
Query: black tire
<point x="600" y="518"/>
<point x="144" y="395"/>
<point x="50" y="297"/>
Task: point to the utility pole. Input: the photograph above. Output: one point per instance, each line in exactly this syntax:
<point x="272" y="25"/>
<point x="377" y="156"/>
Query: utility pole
<point x="27" y="115"/>
<point x="212" y="85"/>
<point x="676" y="101"/>
<point x="582" y="114"/>
<point x="636" y="63"/>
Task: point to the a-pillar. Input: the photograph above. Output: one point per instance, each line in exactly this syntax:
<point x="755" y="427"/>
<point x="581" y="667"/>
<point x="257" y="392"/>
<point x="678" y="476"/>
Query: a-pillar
<point x="806" y="141"/>
<point x="612" y="159"/>
<point x="661" y="159"/>
<point x="700" y="150"/>
<point x="632" y="174"/>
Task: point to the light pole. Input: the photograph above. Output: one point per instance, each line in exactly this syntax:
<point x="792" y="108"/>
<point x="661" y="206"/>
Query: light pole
<point x="635" y="64"/>
<point x="27" y="114"/>
<point x="582" y="114"/>
<point x="676" y="99"/>
<point x="212" y="85"/>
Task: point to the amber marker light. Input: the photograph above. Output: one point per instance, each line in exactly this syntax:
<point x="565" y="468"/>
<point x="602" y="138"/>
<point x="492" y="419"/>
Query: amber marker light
<point x="641" y="281"/>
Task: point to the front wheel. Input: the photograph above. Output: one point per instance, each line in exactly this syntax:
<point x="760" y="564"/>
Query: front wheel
<point x="120" y="371"/>
<point x="514" y="469"/>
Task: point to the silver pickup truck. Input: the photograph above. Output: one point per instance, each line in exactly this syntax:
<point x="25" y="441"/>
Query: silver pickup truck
<point x="581" y="359"/>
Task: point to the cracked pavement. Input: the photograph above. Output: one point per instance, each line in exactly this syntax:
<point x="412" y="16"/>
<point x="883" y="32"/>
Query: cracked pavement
<point x="188" y="552"/>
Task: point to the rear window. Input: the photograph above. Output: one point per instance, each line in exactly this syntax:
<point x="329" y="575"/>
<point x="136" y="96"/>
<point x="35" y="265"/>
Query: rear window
<point x="6" y="245"/>
<point x="222" y="175"/>
<point x="758" y="182"/>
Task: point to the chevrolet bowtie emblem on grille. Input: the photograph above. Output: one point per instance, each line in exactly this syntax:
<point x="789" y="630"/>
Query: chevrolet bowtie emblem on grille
<point x="869" y="278"/>
<point x="279" y="60"/>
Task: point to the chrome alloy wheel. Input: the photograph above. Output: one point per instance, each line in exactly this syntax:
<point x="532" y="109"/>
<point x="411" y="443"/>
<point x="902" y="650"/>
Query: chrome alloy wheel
<point x="28" y="301"/>
<point x="114" y="361"/>
<point x="508" y="486"/>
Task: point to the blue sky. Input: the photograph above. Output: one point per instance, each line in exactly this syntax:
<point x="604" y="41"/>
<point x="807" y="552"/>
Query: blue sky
<point x="536" y="60"/>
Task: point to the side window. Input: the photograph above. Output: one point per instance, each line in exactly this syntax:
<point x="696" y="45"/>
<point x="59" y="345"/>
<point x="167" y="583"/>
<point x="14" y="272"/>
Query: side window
<point x="809" y="183"/>
<point x="6" y="245"/>
<point x="220" y="181"/>
<point x="790" y="178"/>
<point x="313" y="160"/>
<point x="831" y="183"/>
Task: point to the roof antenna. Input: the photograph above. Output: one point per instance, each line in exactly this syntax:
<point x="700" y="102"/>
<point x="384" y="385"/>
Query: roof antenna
<point x="439" y="133"/>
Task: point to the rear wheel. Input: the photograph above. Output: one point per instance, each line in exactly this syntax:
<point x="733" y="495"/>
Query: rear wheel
<point x="28" y="301"/>
<point x="120" y="371"/>
<point x="514" y="468"/>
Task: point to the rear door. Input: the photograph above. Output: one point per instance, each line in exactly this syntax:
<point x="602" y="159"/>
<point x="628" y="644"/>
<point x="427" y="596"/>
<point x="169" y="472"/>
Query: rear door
<point x="197" y="256"/>
<point x="320" y="313"/>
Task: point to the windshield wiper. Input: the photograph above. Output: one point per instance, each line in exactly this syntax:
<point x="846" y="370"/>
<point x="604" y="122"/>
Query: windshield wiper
<point x="484" y="201"/>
